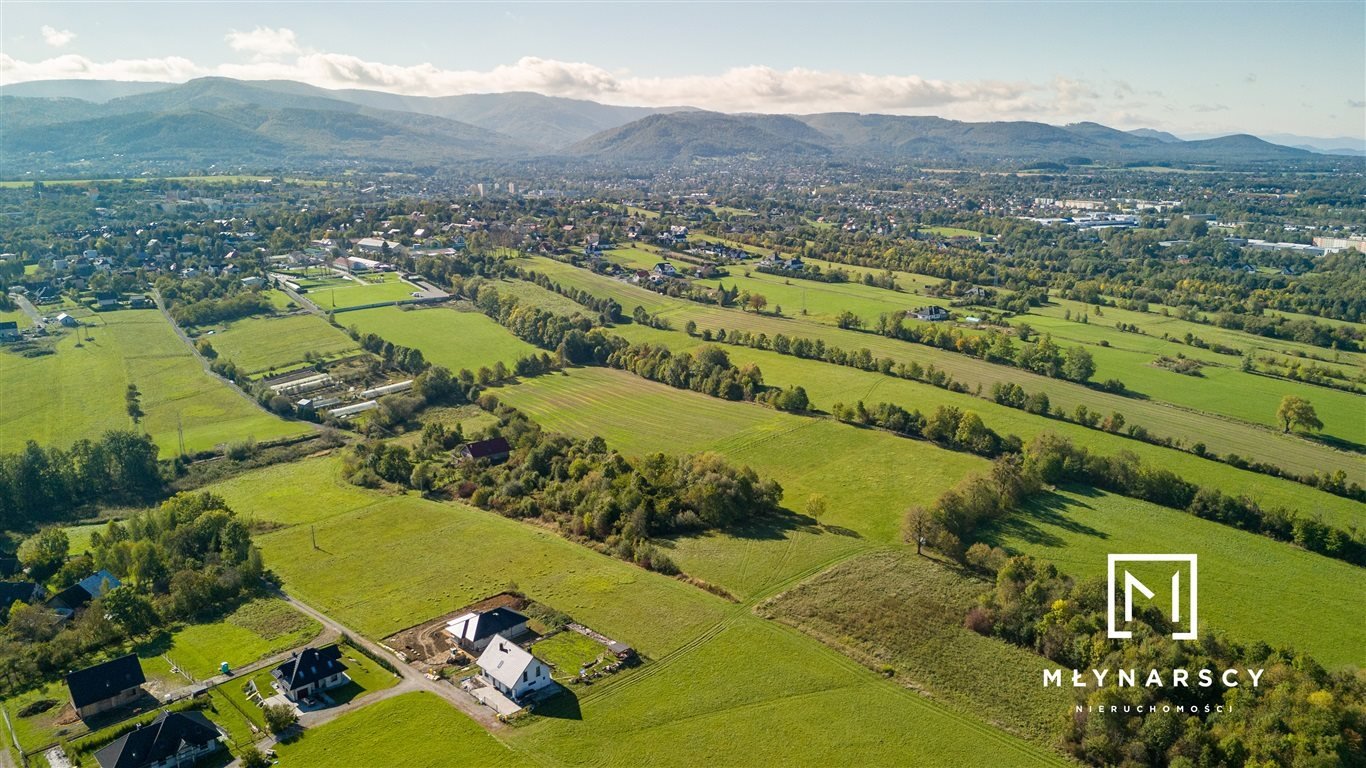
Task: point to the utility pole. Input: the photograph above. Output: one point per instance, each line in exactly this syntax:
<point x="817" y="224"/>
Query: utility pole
<point x="313" y="531"/>
<point x="180" y="430"/>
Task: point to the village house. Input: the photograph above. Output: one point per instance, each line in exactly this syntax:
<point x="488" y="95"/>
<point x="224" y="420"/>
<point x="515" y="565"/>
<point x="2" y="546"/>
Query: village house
<point x="78" y="595"/>
<point x="375" y="245"/>
<point x="106" y="686"/>
<point x="930" y="314"/>
<point x="665" y="269"/>
<point x="9" y="331"/>
<point x="253" y="281"/>
<point x="309" y="672"/>
<point x="474" y="631"/>
<point x="172" y="740"/>
<point x="67" y="320"/>
<point x="359" y="264"/>
<point x="511" y="670"/>
<point x="495" y="450"/>
<point x="26" y="592"/>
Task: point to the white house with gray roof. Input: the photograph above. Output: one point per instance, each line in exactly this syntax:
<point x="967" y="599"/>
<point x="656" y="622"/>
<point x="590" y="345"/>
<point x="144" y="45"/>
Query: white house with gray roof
<point x="512" y="670"/>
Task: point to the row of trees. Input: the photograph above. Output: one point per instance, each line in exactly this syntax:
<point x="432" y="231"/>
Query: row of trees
<point x="948" y="426"/>
<point x="957" y="516"/>
<point x="1043" y="356"/>
<point x="1299" y="715"/>
<point x="39" y="485"/>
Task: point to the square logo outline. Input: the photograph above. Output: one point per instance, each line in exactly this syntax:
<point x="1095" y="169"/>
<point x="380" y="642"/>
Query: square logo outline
<point x="1117" y="634"/>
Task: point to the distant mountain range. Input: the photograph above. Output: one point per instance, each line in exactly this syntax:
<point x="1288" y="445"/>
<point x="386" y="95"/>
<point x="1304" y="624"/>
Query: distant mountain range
<point x="85" y="126"/>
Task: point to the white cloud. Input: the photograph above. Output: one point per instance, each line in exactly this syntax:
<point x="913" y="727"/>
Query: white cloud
<point x="276" y="53"/>
<point x="57" y="38"/>
<point x="264" y="43"/>
<point x="73" y="66"/>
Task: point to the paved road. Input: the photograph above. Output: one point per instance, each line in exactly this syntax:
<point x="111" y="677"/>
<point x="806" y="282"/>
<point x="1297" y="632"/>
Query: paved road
<point x="29" y="309"/>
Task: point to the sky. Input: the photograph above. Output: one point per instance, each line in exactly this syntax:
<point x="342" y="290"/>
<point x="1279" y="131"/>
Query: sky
<point x="1186" y="67"/>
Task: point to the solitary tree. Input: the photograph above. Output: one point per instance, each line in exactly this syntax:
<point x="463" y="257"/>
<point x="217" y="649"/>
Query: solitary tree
<point x="280" y="718"/>
<point x="1297" y="412"/>
<point x="757" y="302"/>
<point x="918" y="525"/>
<point x="815" y="506"/>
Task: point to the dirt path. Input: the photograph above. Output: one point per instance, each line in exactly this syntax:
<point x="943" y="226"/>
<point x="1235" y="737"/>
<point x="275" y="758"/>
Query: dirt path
<point x="411" y="679"/>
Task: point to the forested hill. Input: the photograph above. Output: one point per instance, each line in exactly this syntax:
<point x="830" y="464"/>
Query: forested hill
<point x="78" y="128"/>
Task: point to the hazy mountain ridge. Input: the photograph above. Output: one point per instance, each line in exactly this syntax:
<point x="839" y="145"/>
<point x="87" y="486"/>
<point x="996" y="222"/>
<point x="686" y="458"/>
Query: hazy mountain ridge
<point x="281" y="123"/>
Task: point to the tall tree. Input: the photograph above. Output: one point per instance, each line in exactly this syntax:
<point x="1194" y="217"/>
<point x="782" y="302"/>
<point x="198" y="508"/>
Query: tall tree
<point x="1297" y="412"/>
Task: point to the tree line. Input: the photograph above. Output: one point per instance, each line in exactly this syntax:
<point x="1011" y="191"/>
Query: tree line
<point x="40" y="485"/>
<point x="955" y="519"/>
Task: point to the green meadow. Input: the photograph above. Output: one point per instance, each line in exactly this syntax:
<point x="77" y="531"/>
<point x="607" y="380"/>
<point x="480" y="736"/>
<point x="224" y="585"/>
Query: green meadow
<point x="361" y="290"/>
<point x="447" y="336"/>
<point x="894" y="610"/>
<point x="259" y="345"/>
<point x="415" y="730"/>
<point x="399" y="561"/>
<point x="1220" y="434"/>
<point x="869" y="477"/>
<point x="78" y="392"/>
<point x="254" y="630"/>
<point x="1250" y="586"/>
<point x="828" y="384"/>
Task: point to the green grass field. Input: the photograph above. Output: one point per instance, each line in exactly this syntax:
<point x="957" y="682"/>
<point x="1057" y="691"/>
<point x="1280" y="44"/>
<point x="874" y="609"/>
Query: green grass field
<point x="823" y="302"/>
<point x="895" y="610"/>
<point x="298" y="492"/>
<point x="1220" y="434"/>
<point x="447" y="336"/>
<point x="79" y="391"/>
<point x="362" y="290"/>
<point x="827" y="384"/>
<point x="397" y="563"/>
<point x="255" y="630"/>
<point x="16" y="316"/>
<point x="567" y="652"/>
<point x="950" y="231"/>
<point x="870" y="477"/>
<point x="260" y="345"/>
<point x="640" y="257"/>
<point x="1250" y="586"/>
<point x="415" y="730"/>
<point x="755" y="693"/>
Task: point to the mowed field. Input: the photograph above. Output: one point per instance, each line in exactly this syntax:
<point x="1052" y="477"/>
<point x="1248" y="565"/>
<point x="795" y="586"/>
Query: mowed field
<point x="1219" y="433"/>
<point x="870" y="477"/>
<point x="260" y="345"/>
<point x="402" y="560"/>
<point x="79" y="391"/>
<point x="447" y="336"/>
<point x="415" y="730"/>
<point x="339" y="293"/>
<point x="1250" y="586"/>
<point x="830" y="384"/>
<point x="254" y="630"/>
